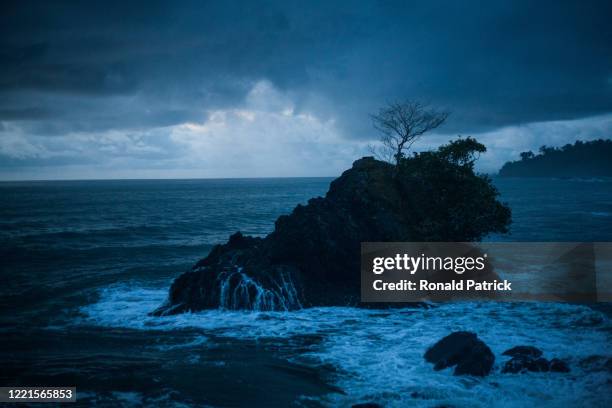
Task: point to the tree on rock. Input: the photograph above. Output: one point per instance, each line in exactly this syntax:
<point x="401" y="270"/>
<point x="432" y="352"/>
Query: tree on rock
<point x="462" y="152"/>
<point x="401" y="124"/>
<point x="446" y="199"/>
<point x="312" y="258"/>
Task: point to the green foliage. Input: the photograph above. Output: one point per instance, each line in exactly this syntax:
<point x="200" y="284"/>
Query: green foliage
<point x="463" y="152"/>
<point x="447" y="199"/>
<point x="582" y="159"/>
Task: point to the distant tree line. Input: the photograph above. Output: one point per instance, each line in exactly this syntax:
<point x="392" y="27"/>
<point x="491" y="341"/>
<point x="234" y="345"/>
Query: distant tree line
<point x="582" y="159"/>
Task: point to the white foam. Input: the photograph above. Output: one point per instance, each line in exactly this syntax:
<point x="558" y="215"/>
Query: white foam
<point x="380" y="353"/>
<point x="238" y="291"/>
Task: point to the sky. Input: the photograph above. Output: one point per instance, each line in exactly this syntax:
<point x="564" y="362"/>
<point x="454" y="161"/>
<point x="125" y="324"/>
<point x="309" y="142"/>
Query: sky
<point x="195" y="89"/>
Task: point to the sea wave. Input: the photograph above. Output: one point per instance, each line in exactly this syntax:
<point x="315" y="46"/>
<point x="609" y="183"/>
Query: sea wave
<point x="84" y="238"/>
<point x="379" y="354"/>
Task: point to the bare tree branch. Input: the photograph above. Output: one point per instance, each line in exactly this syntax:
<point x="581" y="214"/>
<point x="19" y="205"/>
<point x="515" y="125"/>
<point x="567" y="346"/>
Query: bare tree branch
<point x="402" y="123"/>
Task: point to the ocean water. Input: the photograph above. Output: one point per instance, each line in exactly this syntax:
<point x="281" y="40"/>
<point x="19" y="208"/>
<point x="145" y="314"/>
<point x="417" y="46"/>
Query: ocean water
<point x="84" y="262"/>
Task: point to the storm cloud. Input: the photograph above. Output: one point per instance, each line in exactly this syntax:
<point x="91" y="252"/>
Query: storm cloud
<point x="229" y="89"/>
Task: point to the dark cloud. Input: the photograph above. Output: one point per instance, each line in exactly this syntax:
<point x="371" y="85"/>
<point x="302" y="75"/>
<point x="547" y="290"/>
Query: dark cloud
<point x="96" y="66"/>
<point x="523" y="61"/>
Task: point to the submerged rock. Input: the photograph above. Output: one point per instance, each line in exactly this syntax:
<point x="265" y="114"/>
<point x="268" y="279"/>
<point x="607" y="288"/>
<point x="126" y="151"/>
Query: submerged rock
<point x="465" y="351"/>
<point x="523" y="351"/>
<point x="529" y="358"/>
<point x="596" y="363"/>
<point x="312" y="257"/>
<point x="524" y="364"/>
<point x="558" y="366"/>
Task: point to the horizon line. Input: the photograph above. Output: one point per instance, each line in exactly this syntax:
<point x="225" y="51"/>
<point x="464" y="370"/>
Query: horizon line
<point x="490" y="174"/>
<point x="165" y="179"/>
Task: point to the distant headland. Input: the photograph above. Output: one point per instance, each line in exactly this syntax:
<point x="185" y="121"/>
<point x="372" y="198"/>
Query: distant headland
<point x="582" y="159"/>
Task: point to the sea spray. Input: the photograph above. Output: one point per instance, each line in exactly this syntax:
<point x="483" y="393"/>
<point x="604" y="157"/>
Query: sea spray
<point x="358" y="342"/>
<point x="237" y="291"/>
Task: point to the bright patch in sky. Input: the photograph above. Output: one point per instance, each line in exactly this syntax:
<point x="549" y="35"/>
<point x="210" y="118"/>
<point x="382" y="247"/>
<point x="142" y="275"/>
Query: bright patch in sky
<point x="264" y="136"/>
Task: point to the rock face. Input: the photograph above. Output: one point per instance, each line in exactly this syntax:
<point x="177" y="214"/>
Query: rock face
<point x="465" y="351"/>
<point x="312" y="256"/>
<point x="320" y="241"/>
<point x="529" y="358"/>
<point x="523" y="351"/>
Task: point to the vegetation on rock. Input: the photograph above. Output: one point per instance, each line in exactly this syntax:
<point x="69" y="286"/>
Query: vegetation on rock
<point x="582" y="159"/>
<point x="312" y="256"/>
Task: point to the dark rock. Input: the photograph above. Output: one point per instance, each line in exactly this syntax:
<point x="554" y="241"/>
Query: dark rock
<point x="522" y="364"/>
<point x="312" y="258"/>
<point x="523" y="351"/>
<point x="367" y="405"/>
<point x="597" y="363"/>
<point x="465" y="351"/>
<point x="526" y="358"/>
<point x="558" y="366"/>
